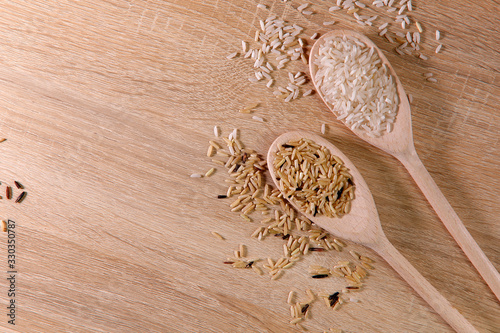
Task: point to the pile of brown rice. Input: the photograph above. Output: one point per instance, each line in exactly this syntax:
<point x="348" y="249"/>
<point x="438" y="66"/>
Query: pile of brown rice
<point x="252" y="196"/>
<point x="315" y="180"/>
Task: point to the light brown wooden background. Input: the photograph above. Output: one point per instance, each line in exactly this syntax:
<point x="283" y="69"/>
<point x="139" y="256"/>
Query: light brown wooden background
<point x="108" y="106"/>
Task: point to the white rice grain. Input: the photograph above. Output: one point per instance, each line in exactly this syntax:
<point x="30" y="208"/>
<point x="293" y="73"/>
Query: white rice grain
<point x="262" y="25"/>
<point x="232" y="55"/>
<point x="216" y="131"/>
<point x="438" y="34"/>
<point x="302" y="7"/>
<point x="383" y="26"/>
<point x="438" y="48"/>
<point x="416" y="37"/>
<point x="196" y="175"/>
<point x="258" y="118"/>
<point x="307" y="93"/>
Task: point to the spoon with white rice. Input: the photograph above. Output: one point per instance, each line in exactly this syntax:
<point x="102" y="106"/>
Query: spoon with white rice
<point x="360" y="222"/>
<point x="359" y="85"/>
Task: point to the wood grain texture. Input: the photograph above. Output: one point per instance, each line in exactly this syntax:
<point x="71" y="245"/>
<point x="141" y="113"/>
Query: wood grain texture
<point x="108" y="106"/>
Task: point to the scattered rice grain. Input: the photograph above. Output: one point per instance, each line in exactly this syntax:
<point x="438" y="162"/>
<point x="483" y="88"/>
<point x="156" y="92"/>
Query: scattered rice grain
<point x="219" y="236"/>
<point x="196" y="175"/>
<point x="232" y="55"/>
<point x="302" y="7"/>
<point x="419" y="27"/>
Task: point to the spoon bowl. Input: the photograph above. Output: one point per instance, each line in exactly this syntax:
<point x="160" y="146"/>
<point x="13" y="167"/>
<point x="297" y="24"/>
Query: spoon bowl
<point x="400" y="138"/>
<point x="362" y="225"/>
<point x="399" y="143"/>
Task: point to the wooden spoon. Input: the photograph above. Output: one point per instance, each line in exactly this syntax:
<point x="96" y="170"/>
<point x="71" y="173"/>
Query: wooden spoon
<point x="399" y="143"/>
<point x="362" y="225"/>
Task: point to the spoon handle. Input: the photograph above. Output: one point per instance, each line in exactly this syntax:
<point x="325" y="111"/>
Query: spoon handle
<point x="450" y="219"/>
<point x="409" y="273"/>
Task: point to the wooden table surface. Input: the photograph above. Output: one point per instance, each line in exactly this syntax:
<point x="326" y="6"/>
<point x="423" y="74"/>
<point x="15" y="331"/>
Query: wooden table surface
<point x="108" y="107"/>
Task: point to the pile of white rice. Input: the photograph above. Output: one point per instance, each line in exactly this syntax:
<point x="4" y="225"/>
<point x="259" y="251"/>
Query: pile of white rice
<point x="357" y="86"/>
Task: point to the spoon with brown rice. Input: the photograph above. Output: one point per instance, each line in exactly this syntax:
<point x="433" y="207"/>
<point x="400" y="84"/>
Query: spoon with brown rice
<point x="359" y="85"/>
<point x="324" y="185"/>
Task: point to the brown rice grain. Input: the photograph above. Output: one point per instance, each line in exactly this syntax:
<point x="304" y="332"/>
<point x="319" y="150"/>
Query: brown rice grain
<point x="243" y="250"/>
<point x="257" y="270"/>
<point x="277" y="275"/>
<point x="291" y="295"/>
<point x="210" y="172"/>
<point x="215" y="144"/>
<point x="355" y="254"/>
<point x="366" y="259"/>
<point x="219" y="236"/>
<point x="366" y="265"/>
<point x="219" y="162"/>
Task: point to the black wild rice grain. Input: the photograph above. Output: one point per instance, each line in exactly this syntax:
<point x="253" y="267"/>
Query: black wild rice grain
<point x="317" y="249"/>
<point x="221" y="196"/>
<point x="319" y="276"/>
<point x="249" y="264"/>
<point x="333" y="298"/>
<point x="21" y="197"/>
<point x="18" y="184"/>
<point x="8" y="192"/>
